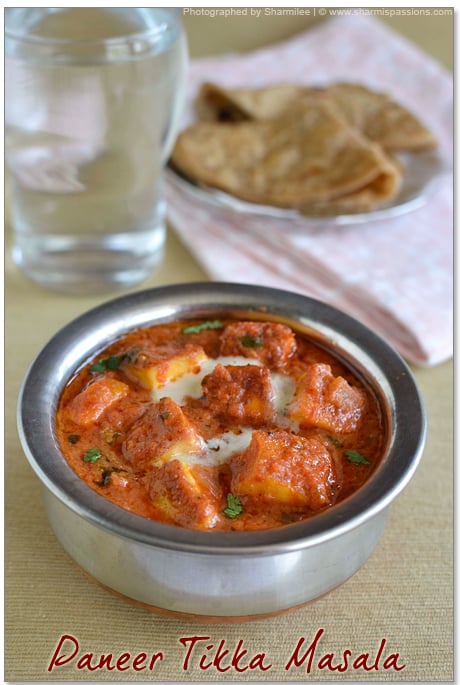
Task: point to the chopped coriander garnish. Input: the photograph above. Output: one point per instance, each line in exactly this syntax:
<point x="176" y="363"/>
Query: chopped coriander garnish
<point x="207" y="325"/>
<point x="250" y="341"/>
<point x="356" y="457"/>
<point x="335" y="441"/>
<point x="92" y="455"/>
<point x="109" y="363"/>
<point x="110" y="436"/>
<point x="234" y="507"/>
<point x="164" y="415"/>
<point x="106" y="476"/>
<point x="133" y="353"/>
<point x="73" y="439"/>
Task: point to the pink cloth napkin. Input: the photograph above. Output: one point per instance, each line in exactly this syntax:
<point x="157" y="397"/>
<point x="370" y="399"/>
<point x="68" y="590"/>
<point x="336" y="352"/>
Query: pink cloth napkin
<point x="394" y="275"/>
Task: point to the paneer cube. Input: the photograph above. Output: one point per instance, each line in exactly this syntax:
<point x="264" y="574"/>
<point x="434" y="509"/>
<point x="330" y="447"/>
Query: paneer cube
<point x="177" y="490"/>
<point x="326" y="401"/>
<point x="161" y="434"/>
<point x="89" y="405"/>
<point x="240" y="393"/>
<point x="285" y="468"/>
<point x="272" y="343"/>
<point x="155" y="372"/>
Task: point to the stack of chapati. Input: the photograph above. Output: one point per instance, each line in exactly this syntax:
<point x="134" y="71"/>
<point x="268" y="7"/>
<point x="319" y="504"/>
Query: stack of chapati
<point x="317" y="150"/>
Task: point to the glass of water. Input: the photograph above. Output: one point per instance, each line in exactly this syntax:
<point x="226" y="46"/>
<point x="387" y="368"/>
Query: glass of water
<point x="92" y="101"/>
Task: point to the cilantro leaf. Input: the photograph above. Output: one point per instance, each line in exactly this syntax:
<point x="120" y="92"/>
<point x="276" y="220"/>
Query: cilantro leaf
<point x="356" y="457"/>
<point x="132" y="354"/>
<point x="92" y="455"/>
<point x="234" y="507"/>
<point x="207" y="325"/>
<point x="112" y="362"/>
<point x="73" y="439"/>
<point x="106" y="477"/>
<point x="335" y="441"/>
<point x="250" y="341"/>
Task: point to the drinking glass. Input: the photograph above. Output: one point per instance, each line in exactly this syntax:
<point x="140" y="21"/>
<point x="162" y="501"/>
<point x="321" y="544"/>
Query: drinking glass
<point x="92" y="101"/>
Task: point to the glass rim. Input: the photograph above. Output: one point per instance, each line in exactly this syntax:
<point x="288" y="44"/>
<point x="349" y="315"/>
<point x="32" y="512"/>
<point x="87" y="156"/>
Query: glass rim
<point x="152" y="32"/>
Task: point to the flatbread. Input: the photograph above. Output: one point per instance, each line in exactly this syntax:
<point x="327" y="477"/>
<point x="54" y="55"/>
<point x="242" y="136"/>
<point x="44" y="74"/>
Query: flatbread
<point x="308" y="157"/>
<point x="369" y="198"/>
<point x="214" y="103"/>
<point x="381" y="119"/>
<point x="375" y="114"/>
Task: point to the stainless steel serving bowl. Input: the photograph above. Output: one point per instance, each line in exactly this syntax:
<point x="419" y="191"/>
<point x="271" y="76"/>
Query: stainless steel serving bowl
<point x="206" y="575"/>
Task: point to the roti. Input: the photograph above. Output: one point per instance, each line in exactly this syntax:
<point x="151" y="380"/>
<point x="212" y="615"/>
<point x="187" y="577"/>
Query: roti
<point x="215" y="103"/>
<point x="374" y="114"/>
<point x="308" y="157"/>
<point x="381" y="119"/>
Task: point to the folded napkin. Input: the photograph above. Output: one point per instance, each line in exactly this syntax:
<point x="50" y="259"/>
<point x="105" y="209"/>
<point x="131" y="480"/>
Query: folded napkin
<point x="395" y="275"/>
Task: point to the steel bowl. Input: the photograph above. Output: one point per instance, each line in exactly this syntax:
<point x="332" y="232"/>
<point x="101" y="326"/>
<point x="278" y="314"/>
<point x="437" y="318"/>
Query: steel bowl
<point x="220" y="576"/>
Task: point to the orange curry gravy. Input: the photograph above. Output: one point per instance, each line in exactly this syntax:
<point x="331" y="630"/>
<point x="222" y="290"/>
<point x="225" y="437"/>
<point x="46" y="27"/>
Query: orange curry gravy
<point x="220" y="425"/>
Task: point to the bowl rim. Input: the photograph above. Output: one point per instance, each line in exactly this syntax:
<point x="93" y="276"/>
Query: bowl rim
<point x="353" y="343"/>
